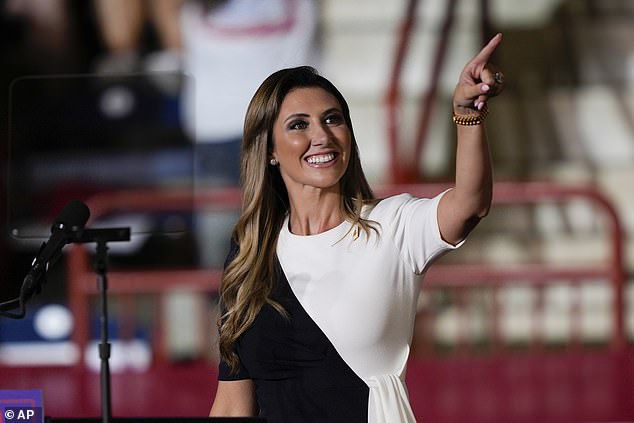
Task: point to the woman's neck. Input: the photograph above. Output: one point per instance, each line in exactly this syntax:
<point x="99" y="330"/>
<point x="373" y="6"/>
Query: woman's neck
<point x="315" y="211"/>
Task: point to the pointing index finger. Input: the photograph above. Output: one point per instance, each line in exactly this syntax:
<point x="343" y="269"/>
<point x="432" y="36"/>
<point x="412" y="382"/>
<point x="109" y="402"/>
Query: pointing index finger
<point x="486" y="52"/>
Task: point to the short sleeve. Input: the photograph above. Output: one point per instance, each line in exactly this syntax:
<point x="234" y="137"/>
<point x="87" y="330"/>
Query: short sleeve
<point x="225" y="373"/>
<point x="413" y="225"/>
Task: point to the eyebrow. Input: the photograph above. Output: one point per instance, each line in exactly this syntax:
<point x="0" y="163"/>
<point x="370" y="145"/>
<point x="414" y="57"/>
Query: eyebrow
<point x="332" y="109"/>
<point x="296" y="115"/>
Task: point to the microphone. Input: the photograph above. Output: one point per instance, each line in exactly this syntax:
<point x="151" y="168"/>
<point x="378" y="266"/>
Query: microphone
<point x="72" y="218"/>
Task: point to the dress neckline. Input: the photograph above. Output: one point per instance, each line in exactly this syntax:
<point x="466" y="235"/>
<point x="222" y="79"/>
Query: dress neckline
<point x="338" y="231"/>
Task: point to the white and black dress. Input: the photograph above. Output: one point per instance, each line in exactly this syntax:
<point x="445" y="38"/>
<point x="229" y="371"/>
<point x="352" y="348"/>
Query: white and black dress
<point x="341" y="354"/>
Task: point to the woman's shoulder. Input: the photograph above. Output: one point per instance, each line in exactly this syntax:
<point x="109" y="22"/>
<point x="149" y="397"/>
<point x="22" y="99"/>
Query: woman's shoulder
<point x="397" y="206"/>
<point x="383" y="208"/>
<point x="391" y="203"/>
<point x="396" y="200"/>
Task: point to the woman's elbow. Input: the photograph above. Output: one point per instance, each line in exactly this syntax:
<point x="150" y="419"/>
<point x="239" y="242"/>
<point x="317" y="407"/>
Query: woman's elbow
<point x="483" y="211"/>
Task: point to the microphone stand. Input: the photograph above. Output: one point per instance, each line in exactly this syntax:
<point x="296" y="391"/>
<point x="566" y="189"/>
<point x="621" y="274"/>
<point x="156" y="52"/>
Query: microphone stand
<point x="102" y="237"/>
<point x="31" y="285"/>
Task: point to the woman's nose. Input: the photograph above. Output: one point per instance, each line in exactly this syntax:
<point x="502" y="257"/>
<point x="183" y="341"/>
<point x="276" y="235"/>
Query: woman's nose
<point x="320" y="135"/>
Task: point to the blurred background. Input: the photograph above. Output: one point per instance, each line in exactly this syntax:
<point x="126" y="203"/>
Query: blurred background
<point x="136" y="107"/>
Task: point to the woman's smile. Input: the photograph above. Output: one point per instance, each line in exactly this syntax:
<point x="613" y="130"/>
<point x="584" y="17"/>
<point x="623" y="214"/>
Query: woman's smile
<point x="321" y="160"/>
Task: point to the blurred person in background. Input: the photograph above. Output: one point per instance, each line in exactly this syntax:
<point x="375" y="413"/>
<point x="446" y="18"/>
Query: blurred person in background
<point x="121" y="24"/>
<point x="319" y="293"/>
<point x="224" y="49"/>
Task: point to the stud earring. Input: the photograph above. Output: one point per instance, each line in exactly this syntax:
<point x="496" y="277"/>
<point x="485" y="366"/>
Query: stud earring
<point x="273" y="162"/>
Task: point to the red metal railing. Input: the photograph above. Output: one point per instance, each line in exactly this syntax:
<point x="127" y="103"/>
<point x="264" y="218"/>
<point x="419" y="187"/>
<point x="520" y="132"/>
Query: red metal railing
<point x="403" y="167"/>
<point x="393" y="95"/>
<point x="509" y="193"/>
<point x="126" y="282"/>
<point x="81" y="278"/>
<point x="405" y="170"/>
<point x="450" y="388"/>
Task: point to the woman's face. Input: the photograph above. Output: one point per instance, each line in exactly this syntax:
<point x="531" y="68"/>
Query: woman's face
<point x="311" y="140"/>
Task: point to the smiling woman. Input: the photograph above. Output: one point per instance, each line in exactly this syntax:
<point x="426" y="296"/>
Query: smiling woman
<point x="320" y="287"/>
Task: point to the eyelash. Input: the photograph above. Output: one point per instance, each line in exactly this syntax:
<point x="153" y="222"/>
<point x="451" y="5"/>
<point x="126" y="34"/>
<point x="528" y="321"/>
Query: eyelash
<point x="295" y="125"/>
<point x="336" y="118"/>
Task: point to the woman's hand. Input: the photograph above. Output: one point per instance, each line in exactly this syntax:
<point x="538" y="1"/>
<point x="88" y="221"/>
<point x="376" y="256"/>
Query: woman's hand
<point x="478" y="81"/>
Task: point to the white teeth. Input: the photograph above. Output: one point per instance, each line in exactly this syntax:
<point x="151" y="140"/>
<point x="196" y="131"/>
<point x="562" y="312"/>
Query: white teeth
<point x="320" y="159"/>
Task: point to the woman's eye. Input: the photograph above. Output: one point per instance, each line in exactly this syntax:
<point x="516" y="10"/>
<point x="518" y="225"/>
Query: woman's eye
<point x="334" y="119"/>
<point x="298" y="125"/>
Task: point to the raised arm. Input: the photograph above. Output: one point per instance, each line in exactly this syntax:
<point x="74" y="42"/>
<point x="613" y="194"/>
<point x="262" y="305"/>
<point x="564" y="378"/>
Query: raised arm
<point x="461" y="208"/>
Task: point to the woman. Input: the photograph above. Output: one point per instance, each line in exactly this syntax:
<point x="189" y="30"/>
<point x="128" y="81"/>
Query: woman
<point x="320" y="288"/>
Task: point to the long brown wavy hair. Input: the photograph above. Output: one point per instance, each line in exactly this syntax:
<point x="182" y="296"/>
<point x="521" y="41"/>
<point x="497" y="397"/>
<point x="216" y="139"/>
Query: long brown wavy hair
<point x="249" y="276"/>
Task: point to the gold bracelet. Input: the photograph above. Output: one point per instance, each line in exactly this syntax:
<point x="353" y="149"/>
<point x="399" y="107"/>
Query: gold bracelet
<point x="471" y="120"/>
